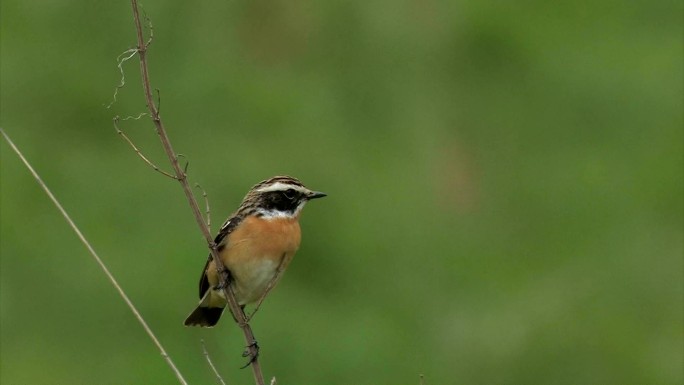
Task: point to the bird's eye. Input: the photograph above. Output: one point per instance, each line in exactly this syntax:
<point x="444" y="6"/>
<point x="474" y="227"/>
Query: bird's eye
<point x="289" y="194"/>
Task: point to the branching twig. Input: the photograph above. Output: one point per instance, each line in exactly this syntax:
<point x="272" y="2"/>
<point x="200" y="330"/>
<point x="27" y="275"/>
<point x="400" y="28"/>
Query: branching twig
<point x="211" y="364"/>
<point x="148" y="24"/>
<point x="182" y="179"/>
<point x="126" y="55"/>
<point x="206" y="205"/>
<point x="158" y="97"/>
<point x="97" y="259"/>
<point x="135" y="148"/>
<point x="187" y="163"/>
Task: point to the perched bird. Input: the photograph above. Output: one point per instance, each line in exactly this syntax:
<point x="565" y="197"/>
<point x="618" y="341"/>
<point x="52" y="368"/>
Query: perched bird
<point x="256" y="244"/>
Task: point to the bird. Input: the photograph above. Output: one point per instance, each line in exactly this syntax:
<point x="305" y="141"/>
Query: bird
<point x="255" y="244"/>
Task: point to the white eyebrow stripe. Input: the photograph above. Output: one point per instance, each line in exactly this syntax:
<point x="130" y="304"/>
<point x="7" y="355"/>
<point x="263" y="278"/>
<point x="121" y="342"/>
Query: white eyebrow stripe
<point x="280" y="186"/>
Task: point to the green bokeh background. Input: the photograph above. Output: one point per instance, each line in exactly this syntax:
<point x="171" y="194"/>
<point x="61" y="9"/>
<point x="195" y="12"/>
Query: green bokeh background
<point x="505" y="189"/>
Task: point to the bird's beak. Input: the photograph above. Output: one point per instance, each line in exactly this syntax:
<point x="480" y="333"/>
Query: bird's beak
<point x="316" y="194"/>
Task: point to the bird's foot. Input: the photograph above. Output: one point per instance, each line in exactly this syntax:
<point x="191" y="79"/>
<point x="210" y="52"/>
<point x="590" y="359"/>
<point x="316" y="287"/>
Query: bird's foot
<point x="251" y="351"/>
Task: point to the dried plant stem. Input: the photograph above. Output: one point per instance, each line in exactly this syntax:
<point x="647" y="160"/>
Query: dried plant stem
<point x="97" y="259"/>
<point x="182" y="179"/>
<point x="137" y="150"/>
<point x="206" y="205"/>
<point x="211" y="364"/>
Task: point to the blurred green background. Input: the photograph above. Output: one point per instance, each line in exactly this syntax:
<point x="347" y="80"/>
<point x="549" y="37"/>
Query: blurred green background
<point x="505" y="189"/>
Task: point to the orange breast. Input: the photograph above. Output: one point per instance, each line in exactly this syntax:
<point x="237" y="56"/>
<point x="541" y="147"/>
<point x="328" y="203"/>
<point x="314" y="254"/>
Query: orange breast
<point x="255" y="251"/>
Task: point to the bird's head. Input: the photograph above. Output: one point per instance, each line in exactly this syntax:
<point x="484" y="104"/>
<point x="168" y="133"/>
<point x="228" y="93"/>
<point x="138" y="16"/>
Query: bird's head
<point x="279" y="197"/>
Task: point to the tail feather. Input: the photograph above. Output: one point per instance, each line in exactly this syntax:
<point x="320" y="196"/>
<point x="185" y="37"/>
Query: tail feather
<point x="204" y="316"/>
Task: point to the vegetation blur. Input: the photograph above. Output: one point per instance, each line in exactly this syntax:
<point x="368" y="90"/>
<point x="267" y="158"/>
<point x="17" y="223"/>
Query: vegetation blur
<point x="505" y="189"/>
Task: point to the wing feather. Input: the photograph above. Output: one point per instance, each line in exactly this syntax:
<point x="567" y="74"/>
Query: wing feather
<point x="221" y="240"/>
